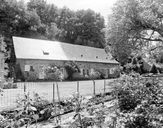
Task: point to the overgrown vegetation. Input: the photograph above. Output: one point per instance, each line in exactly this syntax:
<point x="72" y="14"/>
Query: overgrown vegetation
<point x="72" y="68"/>
<point x="139" y="102"/>
<point x="32" y="110"/>
<point x="52" y="72"/>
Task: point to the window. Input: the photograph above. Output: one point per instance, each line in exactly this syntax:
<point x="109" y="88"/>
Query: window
<point x="45" y="52"/>
<point x="88" y="72"/>
<point x="31" y="68"/>
<point x="112" y="70"/>
<point x="84" y="72"/>
<point x="27" y="68"/>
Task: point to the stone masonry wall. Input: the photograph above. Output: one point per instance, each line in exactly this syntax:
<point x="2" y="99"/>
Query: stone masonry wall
<point x="38" y="64"/>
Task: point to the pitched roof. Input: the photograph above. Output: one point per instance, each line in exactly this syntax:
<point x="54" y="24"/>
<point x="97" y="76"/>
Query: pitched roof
<point x="26" y="48"/>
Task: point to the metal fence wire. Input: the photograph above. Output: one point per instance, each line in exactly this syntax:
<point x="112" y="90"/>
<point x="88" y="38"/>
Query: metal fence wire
<point x="51" y="90"/>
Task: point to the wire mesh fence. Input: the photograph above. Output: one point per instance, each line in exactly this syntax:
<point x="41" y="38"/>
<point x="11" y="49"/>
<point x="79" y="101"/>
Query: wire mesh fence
<point x="48" y="90"/>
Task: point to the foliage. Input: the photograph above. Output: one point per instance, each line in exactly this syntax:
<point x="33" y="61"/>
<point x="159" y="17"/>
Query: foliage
<point x="4" y="55"/>
<point x="77" y="102"/>
<point x="31" y="110"/>
<point x="31" y="76"/>
<point x="96" y="118"/>
<point x="143" y="101"/>
<point x="95" y="74"/>
<point x="71" y="68"/>
<point x="136" y="64"/>
<point x="53" y="73"/>
<point x="78" y="76"/>
<point x="22" y="116"/>
<point x="133" y="25"/>
<point x="8" y="85"/>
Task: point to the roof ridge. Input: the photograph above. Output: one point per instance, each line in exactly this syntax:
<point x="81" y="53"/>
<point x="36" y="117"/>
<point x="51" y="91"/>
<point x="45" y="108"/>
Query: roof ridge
<point x="59" y="42"/>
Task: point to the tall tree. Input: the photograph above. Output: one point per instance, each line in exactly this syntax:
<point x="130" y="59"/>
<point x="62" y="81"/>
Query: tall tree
<point x="89" y="28"/>
<point x="4" y="54"/>
<point x="65" y="22"/>
<point x="133" y="24"/>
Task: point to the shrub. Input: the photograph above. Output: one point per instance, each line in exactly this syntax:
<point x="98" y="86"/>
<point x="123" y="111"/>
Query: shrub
<point x="128" y="98"/>
<point x="127" y="101"/>
<point x="139" y="101"/>
<point x="71" y="68"/>
<point x="137" y="65"/>
<point x="52" y="76"/>
<point x="9" y="85"/>
<point x="53" y="73"/>
<point x="95" y="75"/>
<point x="31" y="76"/>
<point x="78" y="76"/>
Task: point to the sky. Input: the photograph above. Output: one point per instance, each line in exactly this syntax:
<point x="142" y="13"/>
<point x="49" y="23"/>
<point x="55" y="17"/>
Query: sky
<point x="101" y="6"/>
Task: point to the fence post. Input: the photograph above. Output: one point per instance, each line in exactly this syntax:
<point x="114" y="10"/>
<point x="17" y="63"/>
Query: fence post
<point x="78" y="87"/>
<point x="24" y="86"/>
<point x="53" y="93"/>
<point x="104" y="86"/>
<point x="58" y="92"/>
<point x="94" y="88"/>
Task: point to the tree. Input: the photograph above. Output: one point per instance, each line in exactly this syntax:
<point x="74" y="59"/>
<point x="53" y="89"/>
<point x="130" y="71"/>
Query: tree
<point x="66" y="23"/>
<point x="133" y="24"/>
<point x="39" y="6"/>
<point x="4" y="54"/>
<point x="89" y="28"/>
<point x="53" y="32"/>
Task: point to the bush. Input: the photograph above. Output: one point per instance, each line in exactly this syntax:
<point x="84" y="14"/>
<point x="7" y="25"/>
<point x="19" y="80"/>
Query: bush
<point x="52" y="76"/>
<point x="9" y="85"/>
<point x="127" y="101"/>
<point x="71" y="68"/>
<point x="139" y="101"/>
<point x="95" y="75"/>
<point x="126" y="90"/>
<point x="78" y="76"/>
<point x="137" y="65"/>
<point x="31" y="76"/>
<point x="53" y="73"/>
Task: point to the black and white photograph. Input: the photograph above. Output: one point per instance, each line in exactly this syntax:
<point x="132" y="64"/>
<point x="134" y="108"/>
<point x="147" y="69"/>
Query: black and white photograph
<point x="81" y="63"/>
